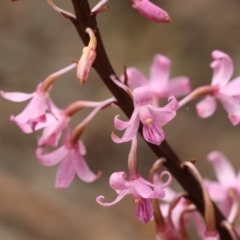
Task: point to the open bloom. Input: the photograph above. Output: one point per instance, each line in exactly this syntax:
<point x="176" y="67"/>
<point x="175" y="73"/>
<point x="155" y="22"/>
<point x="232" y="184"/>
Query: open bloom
<point x="159" y="83"/>
<point x="35" y="112"/>
<point x="71" y="161"/>
<point x="227" y="189"/>
<point x="141" y="192"/>
<point x="227" y="92"/>
<point x="151" y="11"/>
<point x="152" y="118"/>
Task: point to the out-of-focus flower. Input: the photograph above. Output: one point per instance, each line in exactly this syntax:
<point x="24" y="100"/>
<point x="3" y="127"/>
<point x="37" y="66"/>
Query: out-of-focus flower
<point x="227" y="190"/>
<point x="227" y="92"/>
<point x="151" y="11"/>
<point x="152" y="118"/>
<point x="159" y="83"/>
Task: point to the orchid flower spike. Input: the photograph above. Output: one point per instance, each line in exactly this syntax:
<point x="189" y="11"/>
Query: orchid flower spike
<point x="151" y="11"/>
<point x="142" y="191"/>
<point x="159" y="83"/>
<point x="152" y="118"/>
<point x="70" y="155"/>
<point x="34" y="116"/>
<point x="87" y="58"/>
<point x="227" y="92"/>
<point x="227" y="189"/>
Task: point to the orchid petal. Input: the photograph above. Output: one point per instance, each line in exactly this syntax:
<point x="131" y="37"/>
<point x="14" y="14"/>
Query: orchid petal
<point x="119" y="198"/>
<point x="159" y="72"/>
<point x="177" y="87"/>
<point x="153" y="133"/>
<point x="117" y="181"/>
<point x="26" y="127"/>
<point x="215" y="190"/>
<point x="200" y="226"/>
<point x="222" y="68"/>
<point x="120" y="125"/>
<point x="151" y="11"/>
<point x="232" y="106"/>
<point x="225" y="206"/>
<point x="135" y="78"/>
<point x="52" y="132"/>
<point x="34" y="111"/>
<point x="65" y="173"/>
<point x="16" y="96"/>
<point x="82" y="169"/>
<point x="161" y="116"/>
<point x="131" y="130"/>
<point x="169" y="194"/>
<point x="142" y="96"/>
<point x="52" y="158"/>
<point x="223" y="169"/>
<point x="206" y="107"/>
<point x="146" y="192"/>
<point x="232" y="88"/>
<point x="144" y="210"/>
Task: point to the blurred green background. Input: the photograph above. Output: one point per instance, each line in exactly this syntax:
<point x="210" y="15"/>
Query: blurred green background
<point x="35" y="41"/>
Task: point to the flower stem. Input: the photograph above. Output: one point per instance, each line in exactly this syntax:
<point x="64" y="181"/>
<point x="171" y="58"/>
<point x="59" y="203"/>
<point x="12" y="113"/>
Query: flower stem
<point x="198" y="92"/>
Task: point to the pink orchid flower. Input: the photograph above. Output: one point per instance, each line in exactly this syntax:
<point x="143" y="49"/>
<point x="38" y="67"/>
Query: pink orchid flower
<point x="152" y="118"/>
<point x="141" y="191"/>
<point x="228" y="183"/>
<point x="159" y="83"/>
<point x="72" y="164"/>
<point x="227" y="92"/>
<point x="35" y="112"/>
<point x="151" y="11"/>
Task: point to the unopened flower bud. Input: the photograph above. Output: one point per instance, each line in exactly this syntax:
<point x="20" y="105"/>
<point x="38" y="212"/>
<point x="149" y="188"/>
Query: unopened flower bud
<point x="151" y="11"/>
<point x="87" y="58"/>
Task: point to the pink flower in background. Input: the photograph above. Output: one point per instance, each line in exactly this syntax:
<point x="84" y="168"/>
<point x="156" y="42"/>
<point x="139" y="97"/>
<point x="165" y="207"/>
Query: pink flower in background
<point x="151" y="11"/>
<point x="152" y="118"/>
<point x="71" y="161"/>
<point x="227" y="92"/>
<point x="141" y="191"/>
<point x="159" y="83"/>
<point x="228" y="181"/>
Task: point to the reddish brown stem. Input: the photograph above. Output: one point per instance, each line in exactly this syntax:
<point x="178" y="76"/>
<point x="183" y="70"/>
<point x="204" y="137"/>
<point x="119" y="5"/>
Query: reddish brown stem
<point x="104" y="69"/>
